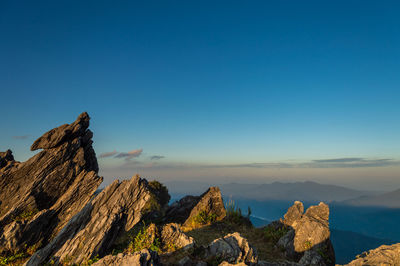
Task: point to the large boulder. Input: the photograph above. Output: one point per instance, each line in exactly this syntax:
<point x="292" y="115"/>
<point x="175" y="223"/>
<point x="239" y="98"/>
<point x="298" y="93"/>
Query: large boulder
<point x="144" y="257"/>
<point x="39" y="196"/>
<point x="195" y="211"/>
<point x="172" y="238"/>
<point x="383" y="255"/>
<point x="92" y="232"/>
<point x="308" y="238"/>
<point x="232" y="248"/>
<point x="210" y="208"/>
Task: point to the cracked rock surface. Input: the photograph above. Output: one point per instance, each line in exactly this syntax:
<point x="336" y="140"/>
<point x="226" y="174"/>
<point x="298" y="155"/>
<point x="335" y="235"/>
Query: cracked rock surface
<point x="91" y="232"/>
<point x="39" y="196"/>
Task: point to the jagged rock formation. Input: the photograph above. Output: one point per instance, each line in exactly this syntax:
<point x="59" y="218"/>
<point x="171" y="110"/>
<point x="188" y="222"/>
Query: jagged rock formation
<point x="91" y="232"/>
<point x="210" y="204"/>
<point x="384" y="255"/>
<point x="180" y="210"/>
<point x="172" y="235"/>
<point x="39" y="196"/>
<point x="186" y="210"/>
<point x="144" y="257"/>
<point x="48" y="203"/>
<point x="232" y="248"/>
<point x="5" y="158"/>
<point x="308" y="235"/>
<point x="294" y="213"/>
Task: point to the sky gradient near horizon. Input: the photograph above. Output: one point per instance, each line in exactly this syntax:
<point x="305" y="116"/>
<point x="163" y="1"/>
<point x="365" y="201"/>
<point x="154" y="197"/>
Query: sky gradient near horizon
<point x="211" y="90"/>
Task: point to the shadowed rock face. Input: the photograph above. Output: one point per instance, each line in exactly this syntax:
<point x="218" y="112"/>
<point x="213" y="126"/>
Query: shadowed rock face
<point x="210" y="203"/>
<point x="185" y="210"/>
<point x="180" y="210"/>
<point x="5" y="158"/>
<point x="309" y="235"/>
<point x="91" y="232"/>
<point x="383" y="255"/>
<point x="40" y="195"/>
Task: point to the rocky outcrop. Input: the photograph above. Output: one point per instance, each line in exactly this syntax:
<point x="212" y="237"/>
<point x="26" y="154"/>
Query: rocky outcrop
<point x="39" y="196"/>
<point x="5" y="158"/>
<point x="383" y="255"/>
<point x="173" y="238"/>
<point x="195" y="211"/>
<point x="308" y="238"/>
<point x="210" y="208"/>
<point x="179" y="211"/>
<point x="144" y="257"/>
<point x="232" y="248"/>
<point x="294" y="214"/>
<point x="91" y="232"/>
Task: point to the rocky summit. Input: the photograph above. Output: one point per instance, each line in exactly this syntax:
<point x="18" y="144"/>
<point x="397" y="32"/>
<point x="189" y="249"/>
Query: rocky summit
<point x="51" y="215"/>
<point x="39" y="196"/>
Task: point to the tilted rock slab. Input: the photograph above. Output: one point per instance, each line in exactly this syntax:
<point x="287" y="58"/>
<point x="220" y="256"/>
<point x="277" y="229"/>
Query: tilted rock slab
<point x="144" y="257"/>
<point x="91" y="232"/>
<point x="232" y="248"/>
<point x="384" y="256"/>
<point x="185" y="210"/>
<point x="211" y="203"/>
<point x="39" y="196"/>
<point x="309" y="236"/>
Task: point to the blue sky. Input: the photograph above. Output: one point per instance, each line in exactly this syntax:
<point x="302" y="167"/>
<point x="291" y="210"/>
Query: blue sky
<point x="210" y="83"/>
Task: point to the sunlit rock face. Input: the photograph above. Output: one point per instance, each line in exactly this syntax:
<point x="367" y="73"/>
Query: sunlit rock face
<point x="91" y="232"/>
<point x="144" y="257"/>
<point x="383" y="255"/>
<point x="308" y="238"/>
<point x="39" y="196"/>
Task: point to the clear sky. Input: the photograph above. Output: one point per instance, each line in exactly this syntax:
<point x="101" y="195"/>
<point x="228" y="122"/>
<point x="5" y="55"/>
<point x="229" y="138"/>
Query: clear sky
<point x="248" y="91"/>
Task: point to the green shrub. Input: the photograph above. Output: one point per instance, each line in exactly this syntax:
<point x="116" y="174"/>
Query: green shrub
<point x="274" y="233"/>
<point x="323" y="252"/>
<point x="144" y="240"/>
<point x="160" y="191"/>
<point x="26" y="215"/>
<point x="248" y="212"/>
<point x="307" y="244"/>
<point x="205" y="218"/>
<point x="158" y="199"/>
<point x="233" y="212"/>
<point x="17" y="258"/>
<point x="13" y="258"/>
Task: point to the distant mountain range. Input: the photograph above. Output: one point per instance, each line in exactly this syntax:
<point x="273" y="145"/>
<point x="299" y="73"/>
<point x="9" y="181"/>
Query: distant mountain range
<point x="307" y="191"/>
<point x="389" y="200"/>
<point x="303" y="191"/>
